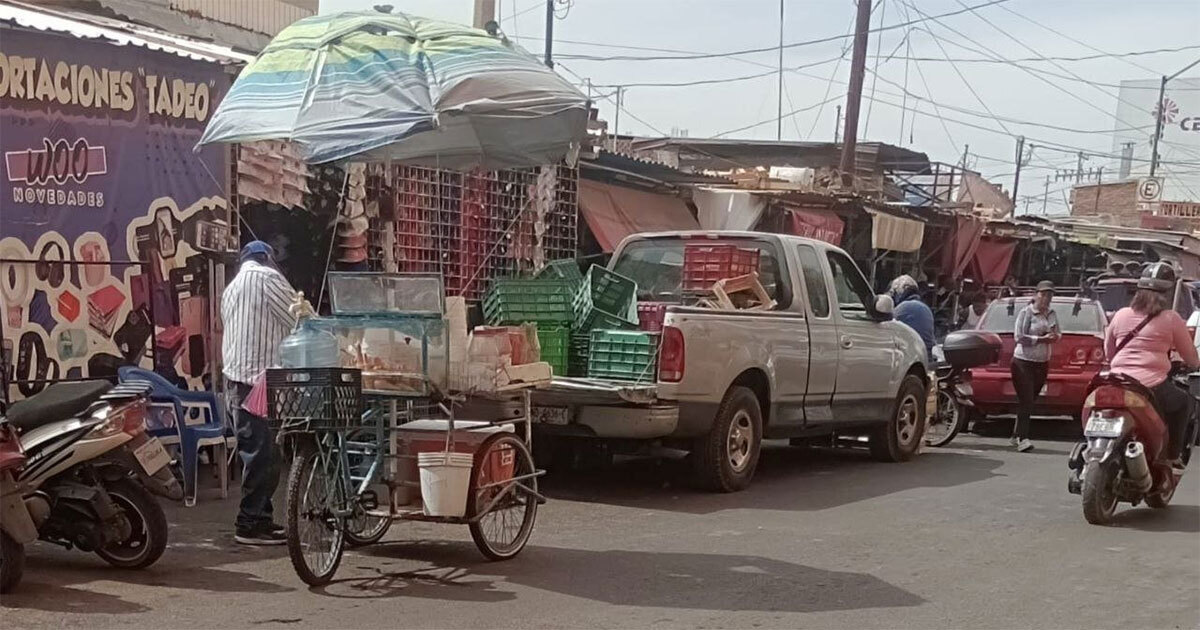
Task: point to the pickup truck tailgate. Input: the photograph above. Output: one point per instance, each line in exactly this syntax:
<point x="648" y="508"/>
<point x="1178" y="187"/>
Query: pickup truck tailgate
<point x="567" y="391"/>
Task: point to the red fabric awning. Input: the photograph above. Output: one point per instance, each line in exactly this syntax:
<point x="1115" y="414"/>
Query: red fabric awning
<point x="823" y="226"/>
<point x="992" y="259"/>
<point x="960" y="251"/>
<point x="614" y="212"/>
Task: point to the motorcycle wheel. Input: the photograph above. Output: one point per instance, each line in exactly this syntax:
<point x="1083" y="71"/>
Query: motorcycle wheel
<point x="1099" y="501"/>
<point x="12" y="562"/>
<point x="946" y="423"/>
<point x="1161" y="499"/>
<point x="148" y="538"/>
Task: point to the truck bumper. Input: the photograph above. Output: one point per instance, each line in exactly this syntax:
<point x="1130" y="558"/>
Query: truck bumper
<point x="615" y="410"/>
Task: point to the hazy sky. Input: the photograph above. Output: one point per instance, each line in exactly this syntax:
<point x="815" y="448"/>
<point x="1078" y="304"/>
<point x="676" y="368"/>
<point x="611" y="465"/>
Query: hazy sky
<point x="963" y="91"/>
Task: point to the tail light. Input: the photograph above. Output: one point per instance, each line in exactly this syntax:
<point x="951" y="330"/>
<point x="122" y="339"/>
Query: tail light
<point x="133" y="417"/>
<point x="128" y="418"/>
<point x="1111" y="397"/>
<point x="671" y="356"/>
<point x="1079" y="356"/>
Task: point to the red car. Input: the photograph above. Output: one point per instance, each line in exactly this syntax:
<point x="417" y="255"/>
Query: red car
<point x="1075" y="360"/>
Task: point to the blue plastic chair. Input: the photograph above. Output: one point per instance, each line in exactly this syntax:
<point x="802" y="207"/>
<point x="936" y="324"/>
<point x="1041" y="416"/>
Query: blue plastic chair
<point x="192" y="437"/>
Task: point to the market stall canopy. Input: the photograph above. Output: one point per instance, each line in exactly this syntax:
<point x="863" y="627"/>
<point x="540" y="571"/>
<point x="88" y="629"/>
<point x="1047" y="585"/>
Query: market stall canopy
<point x="614" y="212"/>
<point x="383" y="86"/>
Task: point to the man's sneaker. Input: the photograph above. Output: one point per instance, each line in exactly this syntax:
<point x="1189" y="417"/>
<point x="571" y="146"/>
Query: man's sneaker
<point x="1024" y="445"/>
<point x="259" y="537"/>
<point x="1013" y="441"/>
<point x="275" y="528"/>
<point x="1177" y="466"/>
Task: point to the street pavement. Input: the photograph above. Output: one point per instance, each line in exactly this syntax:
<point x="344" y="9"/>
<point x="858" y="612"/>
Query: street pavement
<point x="972" y="536"/>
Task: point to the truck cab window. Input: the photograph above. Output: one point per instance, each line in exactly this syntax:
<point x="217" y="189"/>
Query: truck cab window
<point x="854" y="296"/>
<point x="656" y="265"/>
<point x="814" y="281"/>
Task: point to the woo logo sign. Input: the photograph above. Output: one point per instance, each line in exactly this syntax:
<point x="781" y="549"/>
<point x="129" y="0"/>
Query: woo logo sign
<point x="56" y="162"/>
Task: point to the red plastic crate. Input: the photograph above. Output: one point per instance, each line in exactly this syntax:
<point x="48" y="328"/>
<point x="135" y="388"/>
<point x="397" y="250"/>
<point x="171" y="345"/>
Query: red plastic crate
<point x="651" y="315"/>
<point x="704" y="265"/>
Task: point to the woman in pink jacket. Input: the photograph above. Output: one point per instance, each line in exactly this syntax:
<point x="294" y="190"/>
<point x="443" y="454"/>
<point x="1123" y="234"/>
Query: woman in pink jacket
<point x="1153" y="331"/>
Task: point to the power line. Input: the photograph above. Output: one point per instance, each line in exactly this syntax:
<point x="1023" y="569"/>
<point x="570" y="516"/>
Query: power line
<point x="1043" y="79"/>
<point x="750" y="51"/>
<point x="892" y="55"/>
<point x="747" y="77"/>
<point x="772" y="119"/>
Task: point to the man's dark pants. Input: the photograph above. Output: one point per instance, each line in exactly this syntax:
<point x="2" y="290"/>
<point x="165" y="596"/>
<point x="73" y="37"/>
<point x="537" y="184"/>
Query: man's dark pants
<point x="260" y="463"/>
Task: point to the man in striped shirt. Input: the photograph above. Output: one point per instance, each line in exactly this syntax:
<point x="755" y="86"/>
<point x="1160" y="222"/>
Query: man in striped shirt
<point x="254" y="311"/>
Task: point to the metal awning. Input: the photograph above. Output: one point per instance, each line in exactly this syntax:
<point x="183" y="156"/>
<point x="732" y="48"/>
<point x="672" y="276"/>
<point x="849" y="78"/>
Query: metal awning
<point x="119" y="33"/>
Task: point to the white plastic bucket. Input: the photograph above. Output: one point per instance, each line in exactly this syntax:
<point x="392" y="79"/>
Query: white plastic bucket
<point x="445" y="478"/>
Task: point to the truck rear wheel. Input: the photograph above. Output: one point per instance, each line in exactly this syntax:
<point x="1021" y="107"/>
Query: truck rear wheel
<point x="899" y="438"/>
<point x="725" y="459"/>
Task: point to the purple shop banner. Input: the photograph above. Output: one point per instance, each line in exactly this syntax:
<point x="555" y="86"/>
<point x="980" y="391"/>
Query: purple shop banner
<point x="97" y="164"/>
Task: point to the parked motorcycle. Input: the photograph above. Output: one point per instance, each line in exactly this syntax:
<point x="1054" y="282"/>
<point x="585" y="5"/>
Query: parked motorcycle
<point x="953" y="405"/>
<point x="16" y="527"/>
<point x="91" y="468"/>
<point x="962" y="350"/>
<point x="1123" y="457"/>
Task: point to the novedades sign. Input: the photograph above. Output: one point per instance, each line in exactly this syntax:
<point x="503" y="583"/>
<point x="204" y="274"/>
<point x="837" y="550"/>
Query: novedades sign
<point x="39" y="80"/>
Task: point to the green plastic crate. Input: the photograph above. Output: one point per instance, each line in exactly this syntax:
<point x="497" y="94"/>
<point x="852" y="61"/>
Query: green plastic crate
<point x="605" y="300"/>
<point x="515" y="301"/>
<point x="623" y="355"/>
<point x="577" y="359"/>
<point x="555" y="346"/>
<point x="562" y="269"/>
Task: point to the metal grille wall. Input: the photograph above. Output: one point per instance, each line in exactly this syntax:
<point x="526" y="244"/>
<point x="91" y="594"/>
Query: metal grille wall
<point x="473" y="227"/>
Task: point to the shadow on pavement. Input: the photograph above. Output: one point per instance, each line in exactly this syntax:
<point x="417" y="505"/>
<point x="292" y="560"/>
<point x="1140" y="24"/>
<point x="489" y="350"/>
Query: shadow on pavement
<point x="1176" y="518"/>
<point x="644" y="578"/>
<point x="787" y="479"/>
<point x="1040" y="447"/>
<point x="56" y="580"/>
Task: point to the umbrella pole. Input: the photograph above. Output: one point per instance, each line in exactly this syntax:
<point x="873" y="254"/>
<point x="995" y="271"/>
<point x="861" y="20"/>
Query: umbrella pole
<point x="333" y="237"/>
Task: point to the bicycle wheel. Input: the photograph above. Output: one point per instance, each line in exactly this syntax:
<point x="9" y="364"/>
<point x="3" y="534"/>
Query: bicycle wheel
<point x="506" y="511"/>
<point x="315" y="538"/>
<point x="363" y="529"/>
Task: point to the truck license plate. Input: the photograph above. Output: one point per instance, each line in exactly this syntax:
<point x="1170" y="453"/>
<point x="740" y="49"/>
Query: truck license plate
<point x="551" y="415"/>
<point x="152" y="456"/>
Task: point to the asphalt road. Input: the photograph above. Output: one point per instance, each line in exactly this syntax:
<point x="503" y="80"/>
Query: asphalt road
<point x="974" y="536"/>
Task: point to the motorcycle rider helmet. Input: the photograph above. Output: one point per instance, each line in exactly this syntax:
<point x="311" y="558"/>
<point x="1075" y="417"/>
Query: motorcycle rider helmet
<point x="1159" y="276"/>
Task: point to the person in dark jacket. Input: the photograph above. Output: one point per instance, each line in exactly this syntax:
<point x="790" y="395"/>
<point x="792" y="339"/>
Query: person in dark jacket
<point x="911" y="311"/>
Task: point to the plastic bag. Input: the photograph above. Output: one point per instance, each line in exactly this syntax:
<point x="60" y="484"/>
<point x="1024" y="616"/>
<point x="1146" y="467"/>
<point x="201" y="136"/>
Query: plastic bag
<point x="256" y="401"/>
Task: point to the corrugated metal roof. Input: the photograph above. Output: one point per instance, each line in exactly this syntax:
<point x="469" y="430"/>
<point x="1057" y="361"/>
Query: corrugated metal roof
<point x="159" y="14"/>
<point x="120" y="33"/>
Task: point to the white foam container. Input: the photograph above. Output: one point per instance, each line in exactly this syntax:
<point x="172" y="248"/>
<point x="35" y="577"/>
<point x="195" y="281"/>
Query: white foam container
<point x="445" y="481"/>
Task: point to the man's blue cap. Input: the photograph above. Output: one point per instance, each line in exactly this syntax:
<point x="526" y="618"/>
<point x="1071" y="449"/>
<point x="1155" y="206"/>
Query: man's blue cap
<point x="256" y="247"/>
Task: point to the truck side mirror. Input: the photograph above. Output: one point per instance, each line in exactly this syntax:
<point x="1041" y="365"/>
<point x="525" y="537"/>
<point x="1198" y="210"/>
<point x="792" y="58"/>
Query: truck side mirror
<point x="884" y="306"/>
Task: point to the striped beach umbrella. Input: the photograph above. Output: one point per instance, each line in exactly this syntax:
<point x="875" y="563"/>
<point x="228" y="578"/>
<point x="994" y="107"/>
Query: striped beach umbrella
<point x="389" y="86"/>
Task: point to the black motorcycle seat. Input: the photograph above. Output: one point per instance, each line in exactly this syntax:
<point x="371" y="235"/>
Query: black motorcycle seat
<point x="57" y="402"/>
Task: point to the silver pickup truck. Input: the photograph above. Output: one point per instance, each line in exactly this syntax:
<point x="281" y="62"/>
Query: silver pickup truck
<point x="827" y="361"/>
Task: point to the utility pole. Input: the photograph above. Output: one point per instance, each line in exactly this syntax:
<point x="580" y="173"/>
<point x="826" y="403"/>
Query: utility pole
<point x="1079" y="168"/>
<point x="837" y="126"/>
<point x="1160" y="115"/>
<point x="485" y="11"/>
<point x="549" y="33"/>
<point x="617" y="117"/>
<point x="779" y="96"/>
<point x="966" y="150"/>
<point x="1045" y="195"/>
<point x="1017" y="175"/>
<point x="858" y="63"/>
<point x="1126" y="160"/>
